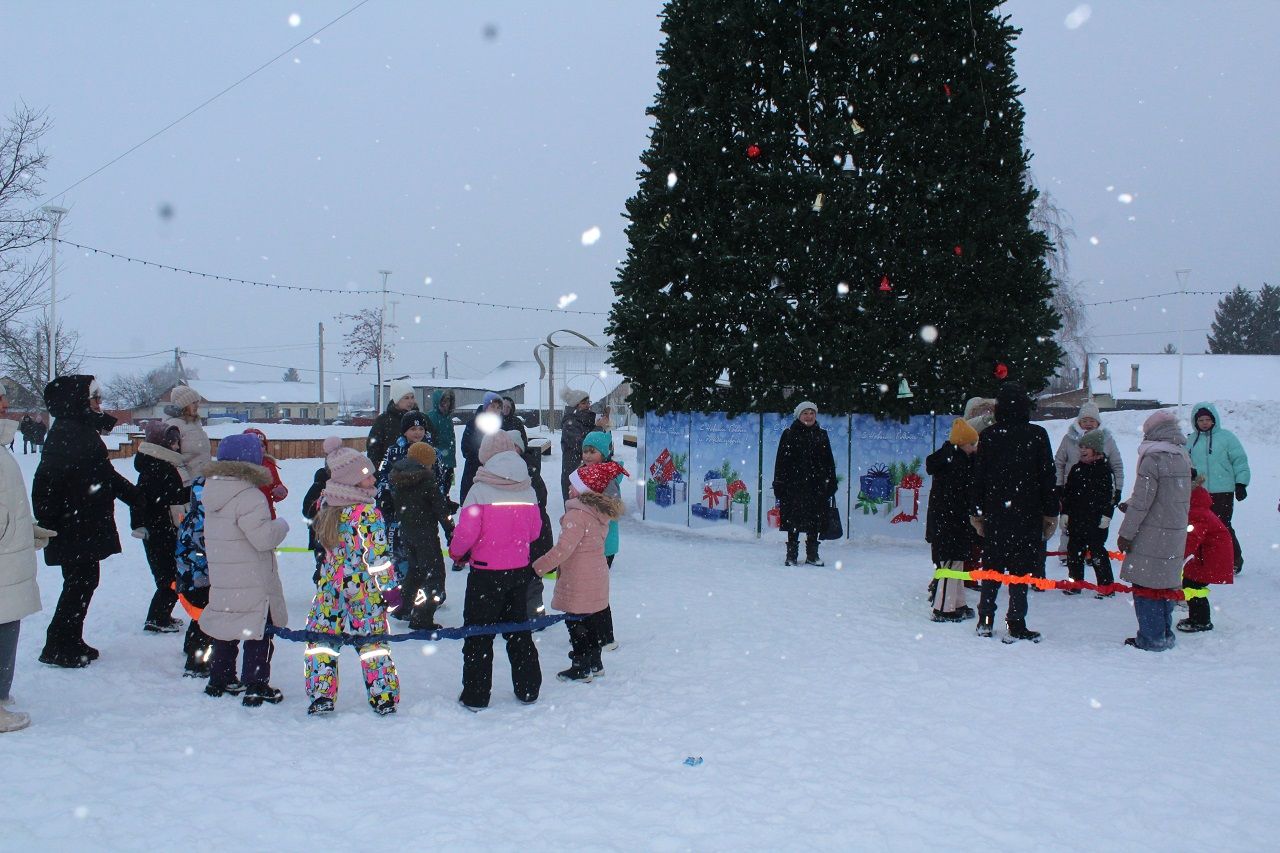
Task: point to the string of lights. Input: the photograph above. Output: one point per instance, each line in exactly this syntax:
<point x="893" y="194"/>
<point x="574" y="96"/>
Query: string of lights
<point x="1162" y="295"/>
<point x="334" y="290"/>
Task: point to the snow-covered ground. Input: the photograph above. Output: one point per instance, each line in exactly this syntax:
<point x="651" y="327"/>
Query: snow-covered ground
<point x="829" y="712"/>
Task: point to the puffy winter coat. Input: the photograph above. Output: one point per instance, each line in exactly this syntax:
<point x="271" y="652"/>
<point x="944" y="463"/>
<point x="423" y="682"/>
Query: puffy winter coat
<point x="947" y="526"/>
<point x="76" y="486"/>
<point x="498" y="522"/>
<point x="1217" y="454"/>
<point x="1014" y="489"/>
<point x="1209" y="548"/>
<point x="1087" y="495"/>
<point x="311" y="506"/>
<point x="442" y="436"/>
<point x="574" y="426"/>
<point x="804" y="477"/>
<point x="19" y="595"/>
<point x="1155" y="520"/>
<point x="583" y="582"/>
<point x="419" y="506"/>
<point x="240" y="539"/>
<point x="471" y="439"/>
<point x="383" y="434"/>
<point x="196" y="449"/>
<point x="159" y="487"/>
<point x="1069" y="454"/>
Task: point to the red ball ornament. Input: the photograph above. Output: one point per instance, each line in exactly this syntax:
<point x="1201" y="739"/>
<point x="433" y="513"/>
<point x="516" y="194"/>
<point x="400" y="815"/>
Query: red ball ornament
<point x="753" y="151"/>
<point x="1002" y="371"/>
<point x="885" y="287"/>
<point x="946" y="87"/>
<point x="959" y="250"/>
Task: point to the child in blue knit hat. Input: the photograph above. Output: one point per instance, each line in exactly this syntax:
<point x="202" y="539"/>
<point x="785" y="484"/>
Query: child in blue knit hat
<point x="597" y="447"/>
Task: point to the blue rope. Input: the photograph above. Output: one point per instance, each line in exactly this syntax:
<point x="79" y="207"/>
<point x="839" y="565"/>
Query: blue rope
<point x="358" y="640"/>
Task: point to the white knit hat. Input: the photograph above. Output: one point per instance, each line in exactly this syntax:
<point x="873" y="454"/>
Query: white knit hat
<point x="573" y="396"/>
<point x="401" y="388"/>
<point x="806" y="405"/>
<point x="183" y="396"/>
<point x="1090" y="410"/>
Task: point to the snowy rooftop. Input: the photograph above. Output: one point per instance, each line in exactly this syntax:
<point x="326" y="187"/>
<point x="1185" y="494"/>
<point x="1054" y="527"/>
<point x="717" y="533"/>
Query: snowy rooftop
<point x="1205" y="377"/>
<point x="233" y="391"/>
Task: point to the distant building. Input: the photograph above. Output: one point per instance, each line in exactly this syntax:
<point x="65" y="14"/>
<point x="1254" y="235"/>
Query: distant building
<point x="20" y="399"/>
<point x="251" y="401"/>
<point x="1123" y="380"/>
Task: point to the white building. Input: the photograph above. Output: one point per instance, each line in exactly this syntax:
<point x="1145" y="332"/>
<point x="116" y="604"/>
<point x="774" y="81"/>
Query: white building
<point x="1140" y="380"/>
<point x="252" y="401"/>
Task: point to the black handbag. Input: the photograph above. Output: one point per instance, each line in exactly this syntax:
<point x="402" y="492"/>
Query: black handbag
<point x="834" y="528"/>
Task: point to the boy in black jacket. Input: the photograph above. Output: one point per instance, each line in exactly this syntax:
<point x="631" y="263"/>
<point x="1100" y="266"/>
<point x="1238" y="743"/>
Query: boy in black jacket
<point x="421" y="511"/>
<point x="1087" y="502"/>
<point x="153" y="519"/>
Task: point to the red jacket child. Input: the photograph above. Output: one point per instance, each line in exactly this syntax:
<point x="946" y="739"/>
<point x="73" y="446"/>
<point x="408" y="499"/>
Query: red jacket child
<point x="276" y="491"/>
<point x="1209" y="549"/>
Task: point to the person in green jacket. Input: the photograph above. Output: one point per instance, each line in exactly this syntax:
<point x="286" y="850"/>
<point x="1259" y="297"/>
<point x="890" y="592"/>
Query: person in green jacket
<point x="1219" y="456"/>
<point x="440" y="420"/>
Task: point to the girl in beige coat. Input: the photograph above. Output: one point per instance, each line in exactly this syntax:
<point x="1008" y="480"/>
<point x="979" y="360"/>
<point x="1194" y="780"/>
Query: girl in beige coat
<point x="582" y="587"/>
<point x="245" y="594"/>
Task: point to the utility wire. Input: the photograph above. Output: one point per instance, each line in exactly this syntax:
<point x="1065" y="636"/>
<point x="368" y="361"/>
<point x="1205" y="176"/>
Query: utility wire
<point x="1161" y="295"/>
<point x="333" y="290"/>
<point x="208" y="101"/>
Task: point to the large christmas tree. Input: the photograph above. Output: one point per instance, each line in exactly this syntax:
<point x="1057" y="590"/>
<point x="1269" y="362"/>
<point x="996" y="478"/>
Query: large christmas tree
<point x="834" y="199"/>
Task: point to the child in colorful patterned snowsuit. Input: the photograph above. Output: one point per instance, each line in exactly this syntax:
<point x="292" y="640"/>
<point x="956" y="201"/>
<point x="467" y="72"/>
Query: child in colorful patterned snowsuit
<point x="356" y="574"/>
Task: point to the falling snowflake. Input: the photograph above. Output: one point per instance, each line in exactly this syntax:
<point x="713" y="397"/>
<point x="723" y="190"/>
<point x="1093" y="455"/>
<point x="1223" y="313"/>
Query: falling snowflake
<point x="1125" y="198"/>
<point x="928" y="334"/>
<point x="566" y="300"/>
<point x="1093" y="240"/>
<point x="590" y="236"/>
<point x="295" y="19"/>
<point x="417" y="318"/>
<point x="842" y="288"/>
<point x="231" y="368"/>
<point x="1078" y="16"/>
<point x="427" y="280"/>
<point x="1094" y="703"/>
<point x="672" y="178"/>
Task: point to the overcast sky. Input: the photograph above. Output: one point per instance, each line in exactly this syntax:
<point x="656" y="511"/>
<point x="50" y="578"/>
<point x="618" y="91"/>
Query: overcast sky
<point x="467" y="147"/>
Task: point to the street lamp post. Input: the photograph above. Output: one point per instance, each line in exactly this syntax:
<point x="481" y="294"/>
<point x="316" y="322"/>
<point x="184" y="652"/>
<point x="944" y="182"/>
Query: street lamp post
<point x="382" y="331"/>
<point x="56" y="213"/>
<point x="1182" y="325"/>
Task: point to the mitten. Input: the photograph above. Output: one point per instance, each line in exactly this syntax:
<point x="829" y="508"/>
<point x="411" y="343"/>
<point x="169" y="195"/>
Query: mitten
<point x="978" y="524"/>
<point x="1104" y="523"/>
<point x="41" y="535"/>
<point x="1241" y="492"/>
<point x="1115" y="498"/>
<point x="279" y="492"/>
<point x="1050" y="525"/>
<point x="140" y="533"/>
<point x="1125" y="545"/>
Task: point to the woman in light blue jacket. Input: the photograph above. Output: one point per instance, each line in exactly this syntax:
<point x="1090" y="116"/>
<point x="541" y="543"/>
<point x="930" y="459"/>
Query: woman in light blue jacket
<point x="1218" y="455"/>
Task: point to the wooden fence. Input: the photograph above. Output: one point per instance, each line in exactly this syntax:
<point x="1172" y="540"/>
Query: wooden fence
<point x="281" y="448"/>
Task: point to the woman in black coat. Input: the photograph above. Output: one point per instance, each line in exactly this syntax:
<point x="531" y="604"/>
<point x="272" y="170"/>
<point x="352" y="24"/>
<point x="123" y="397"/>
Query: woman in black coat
<point x="947" y="526"/>
<point x="160" y="489"/>
<point x="804" y="481"/>
<point x="74" y="493"/>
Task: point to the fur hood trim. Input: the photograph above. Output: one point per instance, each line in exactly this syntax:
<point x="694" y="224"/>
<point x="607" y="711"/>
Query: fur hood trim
<point x="164" y="454"/>
<point x="409" y="472"/>
<point x="609" y="507"/>
<point x="253" y="474"/>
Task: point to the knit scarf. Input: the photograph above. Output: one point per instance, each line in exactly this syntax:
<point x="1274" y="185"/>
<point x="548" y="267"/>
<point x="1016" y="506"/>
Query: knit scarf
<point x="1159" y="446"/>
<point x="337" y="494"/>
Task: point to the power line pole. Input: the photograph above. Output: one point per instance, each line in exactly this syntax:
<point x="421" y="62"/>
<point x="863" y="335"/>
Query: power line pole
<point x="382" y="331"/>
<point x="57" y="213"/>
<point x="320" y="416"/>
<point x="446" y="365"/>
<point x="1182" y="324"/>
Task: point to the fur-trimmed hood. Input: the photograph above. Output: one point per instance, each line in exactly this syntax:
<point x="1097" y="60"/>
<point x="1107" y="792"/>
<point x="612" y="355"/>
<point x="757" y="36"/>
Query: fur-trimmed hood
<point x="603" y="505"/>
<point x="409" y="473"/>
<point x="255" y="475"/>
<point x="164" y="454"/>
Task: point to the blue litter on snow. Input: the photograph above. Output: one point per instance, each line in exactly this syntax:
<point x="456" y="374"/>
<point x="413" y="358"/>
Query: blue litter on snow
<point x="693" y="761"/>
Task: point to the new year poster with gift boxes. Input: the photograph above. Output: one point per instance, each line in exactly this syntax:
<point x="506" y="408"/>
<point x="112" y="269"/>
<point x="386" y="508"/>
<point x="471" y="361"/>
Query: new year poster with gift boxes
<point x="666" y="468"/>
<point x="837" y="427"/>
<point x="887" y="480"/>
<point x="724" y="461"/>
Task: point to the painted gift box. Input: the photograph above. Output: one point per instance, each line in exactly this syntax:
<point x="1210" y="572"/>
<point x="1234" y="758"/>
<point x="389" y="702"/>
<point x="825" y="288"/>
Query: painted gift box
<point x="906" y="498"/>
<point x="876" y="484"/>
<point x="713" y="503"/>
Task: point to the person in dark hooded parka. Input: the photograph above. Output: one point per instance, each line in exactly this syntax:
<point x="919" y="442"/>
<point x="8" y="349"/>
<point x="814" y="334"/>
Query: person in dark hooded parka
<point x="1014" y="500"/>
<point x="74" y="493"/>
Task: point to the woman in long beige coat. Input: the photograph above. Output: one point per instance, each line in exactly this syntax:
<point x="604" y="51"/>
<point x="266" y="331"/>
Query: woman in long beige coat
<point x="184" y="413"/>
<point x="245" y="594"/>
<point x="1154" y="533"/>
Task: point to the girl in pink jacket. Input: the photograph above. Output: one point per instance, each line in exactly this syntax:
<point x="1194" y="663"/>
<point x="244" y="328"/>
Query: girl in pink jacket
<point x="582" y="588"/>
<point x="497" y="522"/>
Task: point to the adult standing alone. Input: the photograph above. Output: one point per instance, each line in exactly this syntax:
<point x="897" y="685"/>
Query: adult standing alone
<point x="386" y="427"/>
<point x="575" y="423"/>
<point x="19" y="540"/>
<point x="1154" y="533"/>
<point x="1219" y="456"/>
<point x="804" y="481"/>
<point x="74" y="493"/>
<point x="1014" y="505"/>
<point x="184" y="413"/>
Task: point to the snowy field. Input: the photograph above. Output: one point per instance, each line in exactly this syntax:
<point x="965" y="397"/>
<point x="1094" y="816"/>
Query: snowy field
<point x="829" y="712"/>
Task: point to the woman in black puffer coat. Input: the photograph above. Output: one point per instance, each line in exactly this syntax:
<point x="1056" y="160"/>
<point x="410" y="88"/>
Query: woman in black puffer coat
<point x="947" y="528"/>
<point x="74" y="493"/>
<point x="804" y="481"/>
<point x="161" y="497"/>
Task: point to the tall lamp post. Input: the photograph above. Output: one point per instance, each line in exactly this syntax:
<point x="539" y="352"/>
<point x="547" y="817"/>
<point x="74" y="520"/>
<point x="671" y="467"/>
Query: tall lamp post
<point x="56" y="213"/>
<point x="1182" y="325"/>
<point x="549" y="369"/>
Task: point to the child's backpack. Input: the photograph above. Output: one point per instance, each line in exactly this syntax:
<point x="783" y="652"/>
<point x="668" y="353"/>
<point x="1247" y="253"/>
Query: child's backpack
<point x="193" y="565"/>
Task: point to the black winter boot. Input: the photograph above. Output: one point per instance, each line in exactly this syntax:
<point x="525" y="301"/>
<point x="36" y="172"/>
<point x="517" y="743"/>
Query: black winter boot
<point x="793" y="548"/>
<point x="1018" y="630"/>
<point x="260" y="692"/>
<point x="811" y="557"/>
<point x="986" y="626"/>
